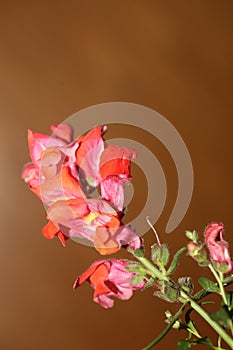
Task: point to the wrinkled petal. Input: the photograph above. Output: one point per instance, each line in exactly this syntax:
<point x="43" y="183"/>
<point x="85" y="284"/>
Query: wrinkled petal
<point x="109" y="238"/>
<point x="105" y="238"/>
<point x="62" y="186"/>
<point x="104" y="301"/>
<point x="39" y="142"/>
<point x="30" y="175"/>
<point x="51" y="163"/>
<point x="68" y="212"/>
<point x="63" y="131"/>
<point x="69" y="154"/>
<point x="112" y="190"/>
<point x="101" y="206"/>
<point x="118" y="274"/>
<point x="88" y="155"/>
<point x="80" y="217"/>
<point x="129" y="238"/>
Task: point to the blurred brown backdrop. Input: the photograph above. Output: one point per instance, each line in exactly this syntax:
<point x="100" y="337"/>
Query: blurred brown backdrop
<point x="58" y="57"/>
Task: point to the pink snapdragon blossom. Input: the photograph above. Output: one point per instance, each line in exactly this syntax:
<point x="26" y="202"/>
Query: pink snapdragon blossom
<point x="61" y="174"/>
<point x="108" y="167"/>
<point x="93" y="219"/>
<point x="218" y="247"/>
<point x="109" y="279"/>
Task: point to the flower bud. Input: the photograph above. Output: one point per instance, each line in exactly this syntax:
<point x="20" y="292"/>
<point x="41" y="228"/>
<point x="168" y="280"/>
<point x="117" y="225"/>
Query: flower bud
<point x="218" y="247"/>
<point x="196" y="251"/>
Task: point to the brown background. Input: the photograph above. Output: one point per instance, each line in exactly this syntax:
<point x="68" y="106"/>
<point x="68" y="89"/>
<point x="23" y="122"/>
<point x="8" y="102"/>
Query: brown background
<point x="58" y="57"/>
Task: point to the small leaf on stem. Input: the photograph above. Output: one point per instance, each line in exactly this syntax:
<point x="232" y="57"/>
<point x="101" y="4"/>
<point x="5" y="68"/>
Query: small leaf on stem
<point x="175" y="260"/>
<point x="208" y="285"/>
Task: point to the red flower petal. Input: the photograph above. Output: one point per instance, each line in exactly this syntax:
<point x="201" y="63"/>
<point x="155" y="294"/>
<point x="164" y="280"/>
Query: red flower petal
<point x="50" y="231"/>
<point x="116" y="161"/>
<point x="96" y="275"/>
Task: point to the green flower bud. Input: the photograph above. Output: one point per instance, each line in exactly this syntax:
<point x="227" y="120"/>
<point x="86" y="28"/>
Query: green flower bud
<point x="197" y="252"/>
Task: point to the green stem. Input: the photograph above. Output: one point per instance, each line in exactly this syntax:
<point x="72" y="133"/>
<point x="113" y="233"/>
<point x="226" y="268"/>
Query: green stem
<point x="167" y="329"/>
<point x="154" y="271"/>
<point x="219" y="341"/>
<point x="221" y="332"/>
<point x="208" y="319"/>
<point x="220" y="283"/>
<point x="199" y="295"/>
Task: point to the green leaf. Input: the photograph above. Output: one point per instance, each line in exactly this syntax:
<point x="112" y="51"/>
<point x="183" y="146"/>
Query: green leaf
<point x="202" y="293"/>
<point x="138" y="253"/>
<point x="171" y="293"/>
<point x="184" y="345"/>
<point x="161" y="296"/>
<point x="136" y="267"/>
<point x="208" y="285"/>
<point x="155" y="253"/>
<point x="206" y="341"/>
<point x="160" y="254"/>
<point x="175" y="260"/>
<point x="228" y="280"/>
<point x="192" y="235"/>
<point x="187" y="344"/>
<point x="229" y="296"/>
<point x="164" y="258"/>
<point x="223" y="317"/>
<point x="136" y="280"/>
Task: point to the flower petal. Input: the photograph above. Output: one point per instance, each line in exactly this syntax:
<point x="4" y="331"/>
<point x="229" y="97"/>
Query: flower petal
<point x="112" y="190"/>
<point x="62" y="186"/>
<point x="86" y="274"/>
<point x="63" y="131"/>
<point x="50" y="231"/>
<point x="38" y="142"/>
<point x="105" y="238"/>
<point x="116" y="161"/>
<point x="88" y="154"/>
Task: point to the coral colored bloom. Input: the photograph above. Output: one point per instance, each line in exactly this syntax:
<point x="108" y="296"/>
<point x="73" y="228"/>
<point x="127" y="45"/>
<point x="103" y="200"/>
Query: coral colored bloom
<point x="61" y="174"/>
<point x="217" y="246"/>
<point x="109" y="279"/>
<point x="108" y="167"/>
<point x="93" y="219"/>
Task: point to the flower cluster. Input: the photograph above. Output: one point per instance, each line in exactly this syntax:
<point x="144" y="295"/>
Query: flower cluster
<point x="64" y="173"/>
